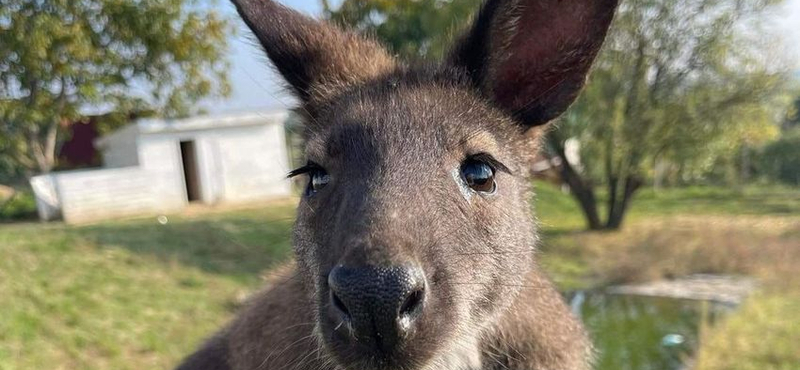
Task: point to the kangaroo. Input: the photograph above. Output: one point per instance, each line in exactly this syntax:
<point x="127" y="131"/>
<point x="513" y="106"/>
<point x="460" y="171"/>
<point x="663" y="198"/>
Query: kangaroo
<point x="414" y="241"/>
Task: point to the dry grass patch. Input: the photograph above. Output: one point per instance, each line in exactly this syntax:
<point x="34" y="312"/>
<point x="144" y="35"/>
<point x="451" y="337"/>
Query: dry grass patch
<point x="767" y="247"/>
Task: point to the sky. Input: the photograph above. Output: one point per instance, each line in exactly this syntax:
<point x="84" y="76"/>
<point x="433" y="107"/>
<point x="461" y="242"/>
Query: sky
<point x="257" y="88"/>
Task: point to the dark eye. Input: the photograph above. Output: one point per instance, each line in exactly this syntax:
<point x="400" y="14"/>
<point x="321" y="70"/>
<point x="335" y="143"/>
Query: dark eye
<point x="317" y="179"/>
<point x="478" y="175"/>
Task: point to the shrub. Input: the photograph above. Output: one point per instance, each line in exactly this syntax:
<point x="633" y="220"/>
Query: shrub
<point x="20" y="206"/>
<point x="780" y="160"/>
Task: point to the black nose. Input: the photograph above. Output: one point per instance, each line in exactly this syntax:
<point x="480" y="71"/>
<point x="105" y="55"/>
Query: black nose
<point x="382" y="304"/>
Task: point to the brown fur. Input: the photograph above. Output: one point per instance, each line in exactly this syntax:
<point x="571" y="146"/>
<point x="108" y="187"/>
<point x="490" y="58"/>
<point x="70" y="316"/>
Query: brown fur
<point x="393" y="139"/>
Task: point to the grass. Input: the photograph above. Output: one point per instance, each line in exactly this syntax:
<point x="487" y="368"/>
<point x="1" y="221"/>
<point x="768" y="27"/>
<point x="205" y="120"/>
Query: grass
<point x="559" y="212"/>
<point x="670" y="233"/>
<point x="138" y="294"/>
<point x="763" y="334"/>
<point x="129" y="295"/>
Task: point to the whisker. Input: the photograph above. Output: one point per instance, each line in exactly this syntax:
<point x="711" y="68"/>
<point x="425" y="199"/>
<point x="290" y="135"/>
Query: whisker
<point x="286" y="348"/>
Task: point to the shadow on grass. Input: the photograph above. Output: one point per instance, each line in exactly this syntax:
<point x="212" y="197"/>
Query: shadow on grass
<point x="243" y="244"/>
<point x="750" y="201"/>
<point x="240" y="244"/>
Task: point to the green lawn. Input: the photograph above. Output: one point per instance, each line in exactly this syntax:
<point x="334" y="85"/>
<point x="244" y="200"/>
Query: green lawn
<point x="140" y="295"/>
<point x="129" y="295"/>
<point x="559" y="212"/>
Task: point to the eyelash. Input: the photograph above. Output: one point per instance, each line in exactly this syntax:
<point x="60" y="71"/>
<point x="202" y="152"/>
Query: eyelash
<point x="308" y="168"/>
<point x="491" y="161"/>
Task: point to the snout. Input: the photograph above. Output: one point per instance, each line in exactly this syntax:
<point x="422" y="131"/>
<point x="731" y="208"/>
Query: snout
<point x="380" y="307"/>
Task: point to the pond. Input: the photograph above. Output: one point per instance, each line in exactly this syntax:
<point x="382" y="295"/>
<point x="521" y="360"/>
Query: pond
<point x="643" y="333"/>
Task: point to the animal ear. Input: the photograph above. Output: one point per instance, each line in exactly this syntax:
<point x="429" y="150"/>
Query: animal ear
<point x="314" y="57"/>
<point x="531" y="57"/>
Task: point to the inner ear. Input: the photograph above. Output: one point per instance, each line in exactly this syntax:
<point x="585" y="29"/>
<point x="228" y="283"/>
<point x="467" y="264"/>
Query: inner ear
<point x="531" y="57"/>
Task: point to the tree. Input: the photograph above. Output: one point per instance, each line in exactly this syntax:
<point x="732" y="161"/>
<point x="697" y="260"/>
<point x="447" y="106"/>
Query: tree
<point x="8" y="168"/>
<point x="410" y="28"/>
<point x="60" y="59"/>
<point x="676" y="83"/>
<point x="781" y="158"/>
<point x="792" y="120"/>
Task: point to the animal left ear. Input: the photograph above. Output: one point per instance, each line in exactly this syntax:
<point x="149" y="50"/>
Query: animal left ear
<point x="531" y="57"/>
<point x="315" y="58"/>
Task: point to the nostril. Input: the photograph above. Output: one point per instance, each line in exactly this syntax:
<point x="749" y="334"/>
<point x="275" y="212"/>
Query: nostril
<point x="413" y="303"/>
<point x="380" y="303"/>
<point x="337" y="302"/>
<point x="338" y="284"/>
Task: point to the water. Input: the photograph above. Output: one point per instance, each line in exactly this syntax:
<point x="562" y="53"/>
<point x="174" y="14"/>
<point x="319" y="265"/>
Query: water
<point x="642" y="333"/>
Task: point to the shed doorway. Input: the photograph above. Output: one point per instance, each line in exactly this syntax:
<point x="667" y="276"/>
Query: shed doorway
<point x="190" y="173"/>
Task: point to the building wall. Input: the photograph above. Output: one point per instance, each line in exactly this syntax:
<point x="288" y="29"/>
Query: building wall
<point x="160" y="158"/>
<point x="120" y="148"/>
<point x="254" y="164"/>
<point x="103" y="194"/>
<point x="235" y="165"/>
<point x="154" y="186"/>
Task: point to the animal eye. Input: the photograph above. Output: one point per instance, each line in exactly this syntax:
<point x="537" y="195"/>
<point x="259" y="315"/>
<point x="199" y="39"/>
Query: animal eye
<point x="317" y="179"/>
<point x="478" y="175"/>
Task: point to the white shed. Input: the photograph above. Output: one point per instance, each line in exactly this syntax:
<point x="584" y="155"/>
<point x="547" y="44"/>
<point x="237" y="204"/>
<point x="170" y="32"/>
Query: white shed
<point x="156" y="166"/>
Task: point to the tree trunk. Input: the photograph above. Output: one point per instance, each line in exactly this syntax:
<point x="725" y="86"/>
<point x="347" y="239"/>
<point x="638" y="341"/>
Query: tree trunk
<point x="584" y="193"/>
<point x="618" y="203"/>
<point x="744" y="175"/>
<point x="43" y="149"/>
<point x="660" y="173"/>
<point x="581" y="189"/>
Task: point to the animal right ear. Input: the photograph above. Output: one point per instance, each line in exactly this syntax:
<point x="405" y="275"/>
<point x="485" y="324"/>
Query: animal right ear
<point x="314" y="57"/>
<point x="531" y="57"/>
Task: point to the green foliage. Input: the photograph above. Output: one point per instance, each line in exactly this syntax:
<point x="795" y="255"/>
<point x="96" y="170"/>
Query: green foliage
<point x="677" y="83"/>
<point x="793" y="116"/>
<point x="21" y="206"/>
<point x="62" y="58"/>
<point x="411" y="28"/>
<point x="9" y="168"/>
<point x="678" y="89"/>
<point x="780" y="160"/>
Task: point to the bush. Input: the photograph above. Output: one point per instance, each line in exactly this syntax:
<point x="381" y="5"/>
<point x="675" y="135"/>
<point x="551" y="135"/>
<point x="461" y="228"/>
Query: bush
<point x="780" y="160"/>
<point x="20" y="206"/>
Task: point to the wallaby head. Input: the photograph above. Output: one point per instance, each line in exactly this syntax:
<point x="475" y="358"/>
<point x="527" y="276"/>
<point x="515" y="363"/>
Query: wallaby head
<point x="415" y="233"/>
